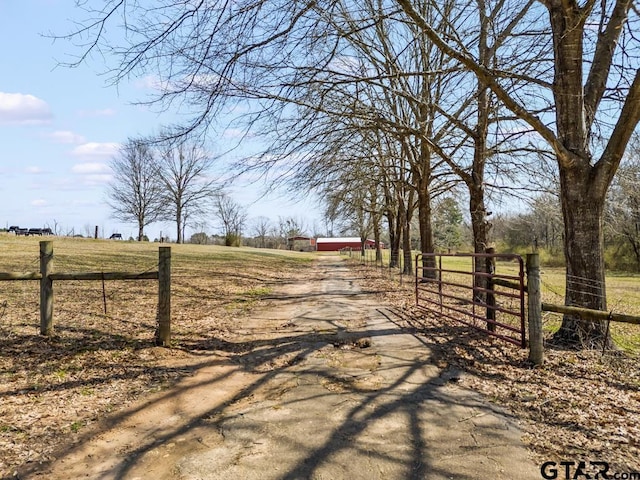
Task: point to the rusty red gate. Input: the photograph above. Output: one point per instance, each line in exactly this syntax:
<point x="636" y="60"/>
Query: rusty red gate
<point x="468" y="289"/>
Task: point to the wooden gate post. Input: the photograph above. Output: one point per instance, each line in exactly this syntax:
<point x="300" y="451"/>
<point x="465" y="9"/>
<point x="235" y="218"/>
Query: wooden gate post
<point x="490" y="266"/>
<point x="163" y="334"/>
<point x="536" y="351"/>
<point x="46" y="288"/>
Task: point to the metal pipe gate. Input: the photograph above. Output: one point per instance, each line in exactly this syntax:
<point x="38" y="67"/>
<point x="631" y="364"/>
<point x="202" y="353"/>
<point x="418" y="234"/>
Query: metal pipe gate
<point x="468" y="289"/>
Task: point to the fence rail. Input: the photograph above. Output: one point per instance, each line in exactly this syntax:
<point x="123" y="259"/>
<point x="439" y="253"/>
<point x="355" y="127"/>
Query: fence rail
<point x="592" y="315"/>
<point x="14" y="276"/>
<point x="104" y="276"/>
<point x="47" y="277"/>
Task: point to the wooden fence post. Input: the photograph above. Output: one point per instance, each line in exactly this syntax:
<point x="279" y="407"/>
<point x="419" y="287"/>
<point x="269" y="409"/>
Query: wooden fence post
<point x="490" y="265"/>
<point x="163" y="334"/>
<point x="536" y="351"/>
<point x="46" y="288"/>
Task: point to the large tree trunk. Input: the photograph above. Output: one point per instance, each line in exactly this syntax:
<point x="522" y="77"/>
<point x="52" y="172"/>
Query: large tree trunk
<point x="582" y="190"/>
<point x="424" y="213"/>
<point x="406" y="249"/>
<point x="426" y="232"/>
<point x="582" y="209"/>
<point x="406" y="235"/>
<point x="178" y="225"/>
<point x="477" y="207"/>
<point x="480" y="228"/>
<point x="394" y="244"/>
<point x="376" y="237"/>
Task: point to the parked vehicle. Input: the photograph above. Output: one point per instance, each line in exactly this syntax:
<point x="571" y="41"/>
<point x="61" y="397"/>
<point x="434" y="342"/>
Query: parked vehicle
<point x="30" y="231"/>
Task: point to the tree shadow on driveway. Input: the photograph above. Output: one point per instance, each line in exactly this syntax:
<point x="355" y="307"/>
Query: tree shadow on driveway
<point x="301" y="398"/>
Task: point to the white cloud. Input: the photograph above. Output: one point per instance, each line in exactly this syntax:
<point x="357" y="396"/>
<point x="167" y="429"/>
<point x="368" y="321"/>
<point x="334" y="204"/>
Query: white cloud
<point x="150" y="82"/>
<point x="95" y="149"/>
<point x="22" y="109"/>
<point x="236" y="133"/>
<point x="90" y="168"/>
<point x="65" y="136"/>
<point x="347" y="64"/>
<point x="96" y="180"/>
<point x="34" y="170"/>
<point x="39" y="202"/>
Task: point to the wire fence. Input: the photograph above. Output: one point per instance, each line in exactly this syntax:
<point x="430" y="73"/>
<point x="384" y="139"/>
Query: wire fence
<point x="207" y="292"/>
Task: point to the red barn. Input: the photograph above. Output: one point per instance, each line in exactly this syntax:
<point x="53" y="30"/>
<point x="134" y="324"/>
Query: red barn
<point x="338" y="243"/>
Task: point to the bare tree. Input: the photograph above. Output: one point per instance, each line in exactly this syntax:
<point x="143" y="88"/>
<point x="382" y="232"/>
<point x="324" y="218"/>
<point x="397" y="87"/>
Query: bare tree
<point x="299" y="53"/>
<point x="232" y="217"/>
<point x="592" y="78"/>
<point x="289" y="227"/>
<point x="134" y="193"/>
<point x="184" y="173"/>
<point x="261" y="228"/>
<point x="623" y="205"/>
<point x="537" y="227"/>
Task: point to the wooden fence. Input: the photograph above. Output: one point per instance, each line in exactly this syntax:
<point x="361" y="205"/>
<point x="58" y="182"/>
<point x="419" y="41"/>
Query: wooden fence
<point x="47" y="277"/>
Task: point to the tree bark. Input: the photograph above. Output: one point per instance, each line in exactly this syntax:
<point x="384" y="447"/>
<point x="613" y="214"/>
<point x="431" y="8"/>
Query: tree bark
<point x="582" y="209"/>
<point x="393" y="242"/>
<point x="178" y="225"/>
<point x="376" y="237"/>
<point x="406" y="236"/>
<point x="426" y="231"/>
<point x="407" y="268"/>
<point x="582" y="190"/>
<point x="480" y="228"/>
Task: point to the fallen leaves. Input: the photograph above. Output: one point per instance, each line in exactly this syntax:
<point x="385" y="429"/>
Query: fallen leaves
<point x="578" y="406"/>
<point x="53" y="390"/>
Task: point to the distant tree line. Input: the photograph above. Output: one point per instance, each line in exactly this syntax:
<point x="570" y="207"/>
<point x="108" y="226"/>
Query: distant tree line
<point x="170" y="181"/>
<point x="384" y="106"/>
<point x="540" y="227"/>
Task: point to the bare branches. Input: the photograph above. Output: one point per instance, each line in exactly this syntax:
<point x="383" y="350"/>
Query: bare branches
<point x="183" y="170"/>
<point x="608" y="37"/>
<point x="134" y="193"/>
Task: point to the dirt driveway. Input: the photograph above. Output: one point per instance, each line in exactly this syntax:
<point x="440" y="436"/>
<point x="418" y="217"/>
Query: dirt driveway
<point x="325" y="386"/>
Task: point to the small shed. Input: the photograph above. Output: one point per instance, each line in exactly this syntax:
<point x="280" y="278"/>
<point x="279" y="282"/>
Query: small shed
<point x="333" y="244"/>
<point x="301" y="244"/>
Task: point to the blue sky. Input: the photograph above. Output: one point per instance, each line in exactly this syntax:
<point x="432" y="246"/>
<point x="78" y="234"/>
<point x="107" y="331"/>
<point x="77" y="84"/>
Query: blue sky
<point x="60" y="126"/>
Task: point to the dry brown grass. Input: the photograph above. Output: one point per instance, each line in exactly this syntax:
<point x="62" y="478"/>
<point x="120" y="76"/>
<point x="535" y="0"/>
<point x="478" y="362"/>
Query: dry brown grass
<point x="579" y="405"/>
<point x="53" y="388"/>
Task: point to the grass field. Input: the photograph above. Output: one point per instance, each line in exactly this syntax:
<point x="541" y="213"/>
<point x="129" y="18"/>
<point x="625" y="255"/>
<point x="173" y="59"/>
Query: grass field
<point x="52" y="388"/>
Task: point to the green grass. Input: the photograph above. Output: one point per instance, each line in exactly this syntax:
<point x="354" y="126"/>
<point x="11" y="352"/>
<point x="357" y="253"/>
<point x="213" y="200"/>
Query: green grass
<point x="258" y="292"/>
<point x="76" y="426"/>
